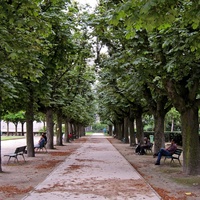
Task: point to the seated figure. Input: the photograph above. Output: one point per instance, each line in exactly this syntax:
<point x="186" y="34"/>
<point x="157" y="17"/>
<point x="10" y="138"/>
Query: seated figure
<point x="166" y="152"/>
<point x="146" y="145"/>
<point x="141" y="147"/>
<point x="40" y="143"/>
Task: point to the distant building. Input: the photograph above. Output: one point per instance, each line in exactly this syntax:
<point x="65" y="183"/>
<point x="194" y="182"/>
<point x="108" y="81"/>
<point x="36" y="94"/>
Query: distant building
<point x="37" y="126"/>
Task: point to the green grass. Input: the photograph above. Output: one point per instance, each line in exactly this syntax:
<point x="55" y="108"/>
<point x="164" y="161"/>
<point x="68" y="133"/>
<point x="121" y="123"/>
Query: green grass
<point x="178" y="177"/>
<point x="89" y="133"/>
<point x="190" y="180"/>
<point x="3" y="138"/>
<point x="171" y="170"/>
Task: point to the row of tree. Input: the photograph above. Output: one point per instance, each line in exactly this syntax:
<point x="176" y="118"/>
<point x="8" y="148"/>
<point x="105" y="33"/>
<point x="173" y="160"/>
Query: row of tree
<point x="152" y="64"/>
<point x="44" y="51"/>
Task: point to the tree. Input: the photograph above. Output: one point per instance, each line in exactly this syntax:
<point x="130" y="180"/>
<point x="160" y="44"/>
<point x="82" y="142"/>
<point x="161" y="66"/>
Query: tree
<point x="21" y="23"/>
<point x="175" y="43"/>
<point x="15" y="118"/>
<point x="173" y="120"/>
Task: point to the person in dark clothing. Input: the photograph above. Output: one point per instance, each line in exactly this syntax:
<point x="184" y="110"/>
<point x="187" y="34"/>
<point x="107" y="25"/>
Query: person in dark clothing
<point x="144" y="146"/>
<point x="166" y="152"/>
<point x="140" y="149"/>
<point x="41" y="143"/>
<point x="45" y="137"/>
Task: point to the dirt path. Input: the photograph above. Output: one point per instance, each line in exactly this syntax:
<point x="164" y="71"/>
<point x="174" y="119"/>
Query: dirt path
<point x="167" y="179"/>
<point x="18" y="179"/>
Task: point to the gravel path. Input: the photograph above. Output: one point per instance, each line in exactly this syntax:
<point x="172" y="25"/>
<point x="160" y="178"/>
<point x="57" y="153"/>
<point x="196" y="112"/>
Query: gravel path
<point x="96" y="170"/>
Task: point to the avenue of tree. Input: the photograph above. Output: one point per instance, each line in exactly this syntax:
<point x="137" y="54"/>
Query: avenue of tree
<point x="44" y="53"/>
<point x="151" y="66"/>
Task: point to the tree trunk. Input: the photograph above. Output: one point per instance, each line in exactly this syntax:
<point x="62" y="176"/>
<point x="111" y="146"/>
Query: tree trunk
<point x="0" y="150"/>
<point x="186" y="103"/>
<point x="132" y="133"/>
<point x="119" y="131"/>
<point x="76" y="130"/>
<point x="44" y="124"/>
<point x="66" y="134"/>
<point x="16" y="133"/>
<point x="191" y="144"/>
<point x="83" y="130"/>
<point x="50" y="132"/>
<point x="110" y="130"/>
<point x="29" y="130"/>
<point x="59" y="129"/>
<point x="126" y="133"/>
<point x="159" y="136"/>
<point x="139" y="128"/>
<point x="115" y="129"/>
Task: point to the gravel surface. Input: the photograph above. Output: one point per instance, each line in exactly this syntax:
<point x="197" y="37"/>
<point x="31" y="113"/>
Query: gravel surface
<point x="89" y="168"/>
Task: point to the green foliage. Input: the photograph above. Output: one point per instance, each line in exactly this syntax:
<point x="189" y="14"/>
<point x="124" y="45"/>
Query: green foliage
<point x="152" y="64"/>
<point x="14" y="117"/>
<point x="98" y="126"/>
<point x="173" y="120"/>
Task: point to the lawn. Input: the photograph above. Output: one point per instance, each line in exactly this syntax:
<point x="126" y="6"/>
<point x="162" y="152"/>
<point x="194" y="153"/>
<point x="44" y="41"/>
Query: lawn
<point x="89" y="133"/>
<point x="3" y="138"/>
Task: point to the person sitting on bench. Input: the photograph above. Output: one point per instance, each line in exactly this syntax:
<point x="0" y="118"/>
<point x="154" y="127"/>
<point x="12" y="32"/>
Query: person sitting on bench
<point x="144" y="146"/>
<point x="166" y="152"/>
<point x="45" y="137"/>
<point x="40" y="143"/>
<point x="140" y="148"/>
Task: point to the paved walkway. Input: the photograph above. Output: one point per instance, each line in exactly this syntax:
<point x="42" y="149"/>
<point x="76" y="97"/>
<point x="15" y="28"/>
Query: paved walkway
<point x="96" y="170"/>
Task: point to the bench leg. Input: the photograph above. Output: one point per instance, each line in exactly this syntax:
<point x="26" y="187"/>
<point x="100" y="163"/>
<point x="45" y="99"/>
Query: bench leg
<point x="23" y="157"/>
<point x="9" y="159"/>
<point x="16" y="158"/>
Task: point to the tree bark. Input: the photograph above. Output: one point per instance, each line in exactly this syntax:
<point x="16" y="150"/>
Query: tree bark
<point x="0" y="150"/>
<point x="126" y="134"/>
<point x="50" y="132"/>
<point x="139" y="127"/>
<point x="66" y="134"/>
<point x="16" y="124"/>
<point x="132" y="132"/>
<point x="29" y="130"/>
<point x="159" y="136"/>
<point x="191" y="145"/>
<point x="119" y="131"/>
<point x="186" y="102"/>
<point x="59" y="129"/>
<point x="110" y="130"/>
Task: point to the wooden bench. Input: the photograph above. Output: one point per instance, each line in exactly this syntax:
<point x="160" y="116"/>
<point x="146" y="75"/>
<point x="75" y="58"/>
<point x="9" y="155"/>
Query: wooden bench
<point x="19" y="151"/>
<point x="175" y="156"/>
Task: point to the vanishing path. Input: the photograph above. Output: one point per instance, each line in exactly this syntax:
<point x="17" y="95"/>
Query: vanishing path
<point x="96" y="170"/>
